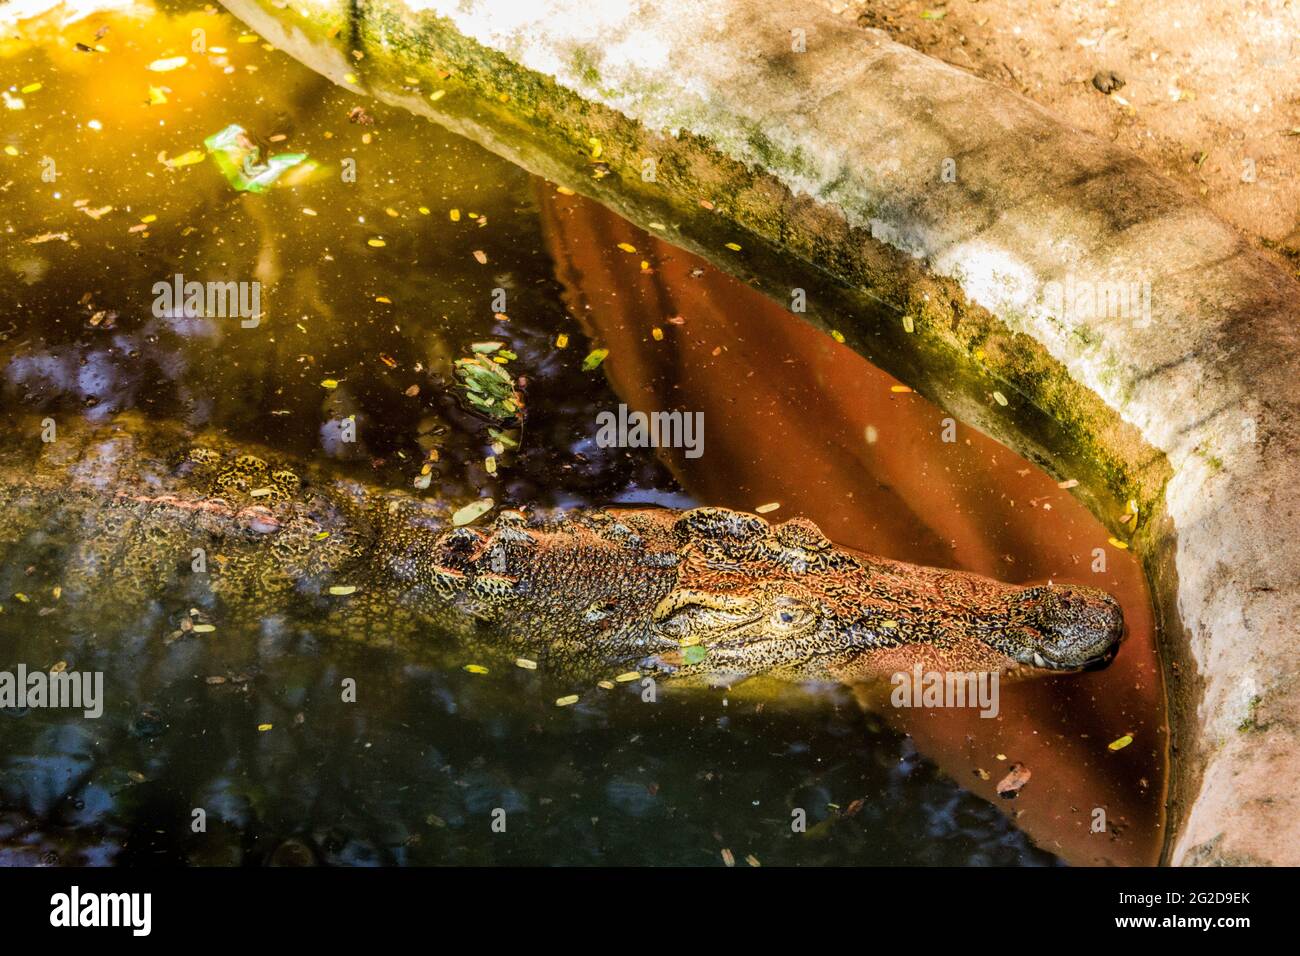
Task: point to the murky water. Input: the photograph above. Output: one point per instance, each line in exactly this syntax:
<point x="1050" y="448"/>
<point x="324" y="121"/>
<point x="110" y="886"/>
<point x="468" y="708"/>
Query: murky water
<point x="378" y="268"/>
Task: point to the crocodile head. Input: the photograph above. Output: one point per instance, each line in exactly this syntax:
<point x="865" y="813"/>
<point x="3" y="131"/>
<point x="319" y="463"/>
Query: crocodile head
<point x="754" y="598"/>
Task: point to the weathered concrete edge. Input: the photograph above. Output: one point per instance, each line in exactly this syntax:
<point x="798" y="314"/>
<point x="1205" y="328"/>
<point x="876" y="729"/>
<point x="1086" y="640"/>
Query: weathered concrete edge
<point x="1035" y="202"/>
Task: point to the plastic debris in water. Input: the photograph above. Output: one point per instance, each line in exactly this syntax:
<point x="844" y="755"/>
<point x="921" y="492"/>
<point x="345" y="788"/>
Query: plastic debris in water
<point x="240" y="160"/>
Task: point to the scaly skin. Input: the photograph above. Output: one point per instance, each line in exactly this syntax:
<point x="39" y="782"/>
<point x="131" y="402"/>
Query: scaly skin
<point x="114" y="513"/>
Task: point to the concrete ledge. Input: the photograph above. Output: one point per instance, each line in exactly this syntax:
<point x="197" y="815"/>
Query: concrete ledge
<point x="951" y="219"/>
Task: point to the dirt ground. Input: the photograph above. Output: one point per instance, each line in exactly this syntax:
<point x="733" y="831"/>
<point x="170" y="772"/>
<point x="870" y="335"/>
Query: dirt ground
<point x="1210" y="90"/>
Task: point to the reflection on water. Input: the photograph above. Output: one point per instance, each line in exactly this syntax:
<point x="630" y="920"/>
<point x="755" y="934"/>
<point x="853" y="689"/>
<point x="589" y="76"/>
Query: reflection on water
<point x="374" y="284"/>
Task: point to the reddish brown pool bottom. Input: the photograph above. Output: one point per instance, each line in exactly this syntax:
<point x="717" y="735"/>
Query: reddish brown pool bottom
<point x="792" y="417"/>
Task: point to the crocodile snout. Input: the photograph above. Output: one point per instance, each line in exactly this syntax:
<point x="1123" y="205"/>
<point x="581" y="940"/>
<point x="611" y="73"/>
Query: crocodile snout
<point x="1075" y="627"/>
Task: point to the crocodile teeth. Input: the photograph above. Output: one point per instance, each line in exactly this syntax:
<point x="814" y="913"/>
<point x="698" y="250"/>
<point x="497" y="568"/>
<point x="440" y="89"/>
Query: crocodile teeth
<point x="1038" y="660"/>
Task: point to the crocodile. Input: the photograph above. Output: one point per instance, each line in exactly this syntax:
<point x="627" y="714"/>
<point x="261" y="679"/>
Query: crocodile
<point x="114" y="518"/>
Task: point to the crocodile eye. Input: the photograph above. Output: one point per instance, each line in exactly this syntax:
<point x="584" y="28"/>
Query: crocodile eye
<point x="790" y="615"/>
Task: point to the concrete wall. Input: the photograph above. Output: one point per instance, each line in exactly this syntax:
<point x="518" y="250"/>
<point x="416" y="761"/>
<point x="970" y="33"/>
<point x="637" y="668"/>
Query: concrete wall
<point x="944" y="221"/>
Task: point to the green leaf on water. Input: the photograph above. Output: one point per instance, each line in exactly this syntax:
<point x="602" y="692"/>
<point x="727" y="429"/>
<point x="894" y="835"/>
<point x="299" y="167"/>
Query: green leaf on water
<point x="593" y="359"/>
<point x="472" y="511"/>
<point x="488" y="387"/>
<point x="694" y="654"/>
<point x="241" y="162"/>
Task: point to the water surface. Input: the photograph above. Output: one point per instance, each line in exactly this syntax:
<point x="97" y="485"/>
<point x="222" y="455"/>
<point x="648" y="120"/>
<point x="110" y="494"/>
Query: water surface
<point x="376" y="283"/>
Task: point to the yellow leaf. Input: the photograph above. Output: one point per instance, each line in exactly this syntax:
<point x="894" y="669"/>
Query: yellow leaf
<point x="168" y="64"/>
<point x="188" y="158"/>
<point x="566" y="701"/>
<point x="1121" y="743"/>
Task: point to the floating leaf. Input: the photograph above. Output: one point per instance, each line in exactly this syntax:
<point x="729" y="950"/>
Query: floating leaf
<point x="694" y="654"/>
<point x="342" y="590"/>
<point x="1121" y="743"/>
<point x="472" y="511"/>
<point x="1017" y="776"/>
<point x="488" y="387"/>
<point x="593" y="359"/>
<point x="168" y="64"/>
<point x="188" y="158"/>
<point x="240" y="160"/>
